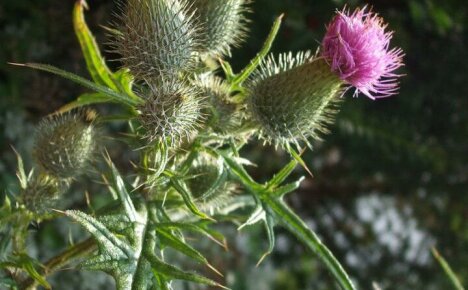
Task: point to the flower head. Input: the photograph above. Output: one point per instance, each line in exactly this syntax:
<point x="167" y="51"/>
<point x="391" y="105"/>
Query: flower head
<point x="356" y="46"/>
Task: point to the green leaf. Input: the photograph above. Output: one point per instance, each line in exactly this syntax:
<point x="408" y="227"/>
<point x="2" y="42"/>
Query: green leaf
<point x="21" y="174"/>
<point x="28" y="264"/>
<point x="282" y="174"/>
<point x="448" y="270"/>
<point x="254" y="63"/>
<point x="117" y="185"/>
<point x="95" y="63"/>
<point x="120" y="81"/>
<point x="216" y="237"/>
<point x="159" y="267"/>
<point x="115" y="96"/>
<point x="168" y="239"/>
<point x="85" y="99"/>
<point x="182" y="189"/>
<point x="239" y="170"/>
<point x="290" y="187"/>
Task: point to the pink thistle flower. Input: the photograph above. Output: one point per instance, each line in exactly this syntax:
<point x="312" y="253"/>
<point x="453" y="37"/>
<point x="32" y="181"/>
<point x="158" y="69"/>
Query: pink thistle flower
<point x="356" y="47"/>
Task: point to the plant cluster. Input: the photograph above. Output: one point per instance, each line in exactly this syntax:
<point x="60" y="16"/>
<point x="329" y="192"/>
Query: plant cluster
<point x="188" y="115"/>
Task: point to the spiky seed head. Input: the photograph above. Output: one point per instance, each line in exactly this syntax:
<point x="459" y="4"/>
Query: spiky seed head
<point x="65" y="143"/>
<point x="224" y="24"/>
<point x="293" y="98"/>
<point x="171" y="112"/>
<point x="356" y="46"/>
<point x="206" y="177"/>
<point x="157" y="37"/>
<point x="223" y="115"/>
<point x="43" y="193"/>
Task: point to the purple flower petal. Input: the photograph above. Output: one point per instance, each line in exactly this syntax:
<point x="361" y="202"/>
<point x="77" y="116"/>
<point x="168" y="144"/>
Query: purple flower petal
<point x="356" y="47"/>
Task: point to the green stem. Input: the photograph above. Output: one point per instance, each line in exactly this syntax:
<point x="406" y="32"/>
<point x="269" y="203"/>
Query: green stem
<point x="57" y="262"/>
<point x="297" y="227"/>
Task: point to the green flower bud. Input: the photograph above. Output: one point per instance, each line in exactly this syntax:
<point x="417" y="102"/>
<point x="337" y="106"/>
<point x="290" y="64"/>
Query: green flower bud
<point x="206" y="177"/>
<point x="157" y="37"/>
<point x="65" y="143"/>
<point x="223" y="24"/>
<point x="171" y="111"/>
<point x="294" y="98"/>
<point x="43" y="193"/>
<point x="223" y="115"/>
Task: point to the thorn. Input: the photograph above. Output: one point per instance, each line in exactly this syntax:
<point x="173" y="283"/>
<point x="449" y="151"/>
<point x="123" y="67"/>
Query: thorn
<point x="281" y="16"/>
<point x="214" y="269"/>
<point x="59" y="211"/>
<point x="17" y="64"/>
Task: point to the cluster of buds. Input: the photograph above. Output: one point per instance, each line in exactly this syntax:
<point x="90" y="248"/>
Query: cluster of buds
<point x="162" y="42"/>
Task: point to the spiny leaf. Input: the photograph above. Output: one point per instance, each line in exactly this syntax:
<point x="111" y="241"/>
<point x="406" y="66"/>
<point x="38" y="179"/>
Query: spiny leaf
<point x="160" y="267"/>
<point x="85" y="99"/>
<point x="21" y="174"/>
<point x="96" y="64"/>
<point x="119" y="186"/>
<point x="116" y="96"/>
<point x="279" y="177"/>
<point x="107" y="241"/>
<point x="254" y="63"/>
<point x="181" y="188"/>
<point x="171" y="240"/>
<point x="194" y="228"/>
<point x="290" y="187"/>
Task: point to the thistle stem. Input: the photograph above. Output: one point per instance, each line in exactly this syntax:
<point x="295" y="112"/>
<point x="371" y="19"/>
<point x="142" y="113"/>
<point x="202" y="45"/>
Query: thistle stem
<point x="74" y="252"/>
<point x="298" y="227"/>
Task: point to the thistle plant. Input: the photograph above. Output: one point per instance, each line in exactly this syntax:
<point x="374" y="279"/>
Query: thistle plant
<point x="186" y="120"/>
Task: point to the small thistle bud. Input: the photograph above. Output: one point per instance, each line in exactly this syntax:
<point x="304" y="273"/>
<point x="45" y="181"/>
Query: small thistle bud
<point x="65" y="143"/>
<point x="293" y="99"/>
<point x="357" y="48"/>
<point x="223" y="23"/>
<point x="42" y="193"/>
<point x="223" y="115"/>
<point x="171" y="111"/>
<point x="157" y="38"/>
<point x="206" y="177"/>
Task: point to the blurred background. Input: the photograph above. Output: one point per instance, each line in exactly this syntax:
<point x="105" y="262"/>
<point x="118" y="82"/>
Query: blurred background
<point x="389" y="183"/>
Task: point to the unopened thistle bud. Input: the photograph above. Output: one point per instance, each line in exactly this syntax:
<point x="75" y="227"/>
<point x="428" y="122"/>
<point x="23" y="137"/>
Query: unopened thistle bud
<point x="65" y="143"/>
<point x="223" y="115"/>
<point x="223" y="24"/>
<point x="206" y="178"/>
<point x="293" y="99"/>
<point x="157" y="37"/>
<point x="43" y="193"/>
<point x="171" y="112"/>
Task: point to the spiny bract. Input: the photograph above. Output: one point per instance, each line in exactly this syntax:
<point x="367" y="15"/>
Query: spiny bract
<point x="65" y="143"/>
<point x="156" y="37"/>
<point x="292" y="98"/>
<point x="223" y="24"/>
<point x="223" y="115"/>
<point x="171" y="112"/>
<point x="42" y="193"/>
